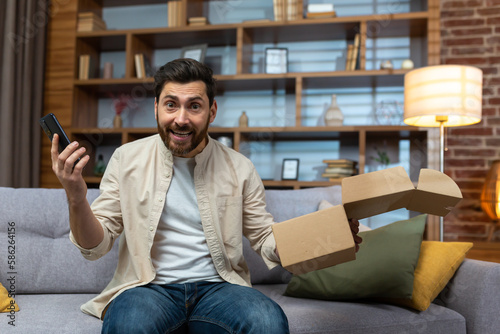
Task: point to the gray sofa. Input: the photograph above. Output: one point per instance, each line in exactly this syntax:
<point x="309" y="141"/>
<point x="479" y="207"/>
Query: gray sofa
<point x="52" y="280"/>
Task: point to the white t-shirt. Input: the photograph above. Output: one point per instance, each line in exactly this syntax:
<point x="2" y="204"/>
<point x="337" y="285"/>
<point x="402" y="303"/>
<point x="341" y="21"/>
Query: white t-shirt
<point x="180" y="253"/>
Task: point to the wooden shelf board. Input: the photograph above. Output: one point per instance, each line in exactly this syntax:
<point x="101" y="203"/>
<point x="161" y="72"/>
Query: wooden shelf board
<point x="262" y="81"/>
<point x="299" y="184"/>
<point x="344" y="27"/>
<point x="114" y="3"/>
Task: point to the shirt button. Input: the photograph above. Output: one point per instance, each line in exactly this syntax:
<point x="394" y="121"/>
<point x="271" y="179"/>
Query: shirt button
<point x="151" y="228"/>
<point x="160" y="199"/>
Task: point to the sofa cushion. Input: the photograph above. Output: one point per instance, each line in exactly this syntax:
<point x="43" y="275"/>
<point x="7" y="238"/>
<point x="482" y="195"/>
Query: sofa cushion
<point x="52" y="313"/>
<point x="437" y="264"/>
<point x="384" y="267"/>
<point x="320" y="316"/>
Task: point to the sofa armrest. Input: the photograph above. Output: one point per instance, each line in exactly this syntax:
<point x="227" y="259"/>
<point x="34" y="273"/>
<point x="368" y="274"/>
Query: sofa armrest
<point x="474" y="292"/>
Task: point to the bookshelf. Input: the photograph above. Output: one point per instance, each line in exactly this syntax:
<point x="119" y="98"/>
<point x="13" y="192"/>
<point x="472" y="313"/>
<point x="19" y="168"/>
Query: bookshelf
<point x="245" y="41"/>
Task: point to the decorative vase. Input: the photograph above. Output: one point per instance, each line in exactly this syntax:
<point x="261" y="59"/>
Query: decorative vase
<point x="407" y="64"/>
<point x="333" y="115"/>
<point x="243" y="120"/>
<point x="117" y="121"/>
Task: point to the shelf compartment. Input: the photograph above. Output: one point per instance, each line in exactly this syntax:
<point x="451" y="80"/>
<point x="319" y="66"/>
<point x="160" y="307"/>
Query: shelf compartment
<point x="180" y="37"/>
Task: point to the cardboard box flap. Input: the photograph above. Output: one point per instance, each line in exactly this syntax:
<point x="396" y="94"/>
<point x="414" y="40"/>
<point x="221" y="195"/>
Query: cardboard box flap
<point x="314" y="241"/>
<point x="370" y="194"/>
<point x="436" y="193"/>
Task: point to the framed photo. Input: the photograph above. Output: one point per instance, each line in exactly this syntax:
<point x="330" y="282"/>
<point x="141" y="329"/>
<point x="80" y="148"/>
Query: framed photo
<point x="290" y="169"/>
<point x="276" y="60"/>
<point x="196" y="52"/>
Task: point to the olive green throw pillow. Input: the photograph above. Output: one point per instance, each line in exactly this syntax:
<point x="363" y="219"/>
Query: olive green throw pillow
<point x="384" y="267"/>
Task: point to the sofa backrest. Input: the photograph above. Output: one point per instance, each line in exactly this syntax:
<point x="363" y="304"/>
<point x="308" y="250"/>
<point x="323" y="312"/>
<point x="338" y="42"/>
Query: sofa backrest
<point x="45" y="261"/>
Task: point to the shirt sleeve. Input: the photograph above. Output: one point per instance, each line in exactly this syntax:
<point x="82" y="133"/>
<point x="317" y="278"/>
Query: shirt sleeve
<point x="107" y="210"/>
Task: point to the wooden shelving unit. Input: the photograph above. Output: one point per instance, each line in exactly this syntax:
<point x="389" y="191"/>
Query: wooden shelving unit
<point x="83" y="114"/>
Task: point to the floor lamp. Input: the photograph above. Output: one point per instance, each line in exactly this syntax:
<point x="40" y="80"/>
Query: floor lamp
<point x="443" y="96"/>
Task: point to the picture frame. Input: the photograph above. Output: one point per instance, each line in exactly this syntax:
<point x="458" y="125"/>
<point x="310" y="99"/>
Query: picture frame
<point x="290" y="169"/>
<point x="196" y="52"/>
<point x="276" y="61"/>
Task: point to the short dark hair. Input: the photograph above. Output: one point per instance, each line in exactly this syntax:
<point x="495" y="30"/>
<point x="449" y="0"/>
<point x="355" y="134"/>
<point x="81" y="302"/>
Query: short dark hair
<point x="185" y="70"/>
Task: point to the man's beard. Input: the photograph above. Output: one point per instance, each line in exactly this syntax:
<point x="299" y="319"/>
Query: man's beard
<point x="181" y="150"/>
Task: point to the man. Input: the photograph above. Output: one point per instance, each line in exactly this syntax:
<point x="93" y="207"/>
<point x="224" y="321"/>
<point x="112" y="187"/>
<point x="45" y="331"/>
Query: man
<point x="181" y="202"/>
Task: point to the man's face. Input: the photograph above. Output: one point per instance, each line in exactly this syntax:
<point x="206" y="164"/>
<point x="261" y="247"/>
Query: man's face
<point x="183" y="115"/>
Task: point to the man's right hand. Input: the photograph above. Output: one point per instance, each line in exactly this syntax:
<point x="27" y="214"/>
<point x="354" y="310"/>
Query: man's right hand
<point x="87" y="231"/>
<point x="69" y="174"/>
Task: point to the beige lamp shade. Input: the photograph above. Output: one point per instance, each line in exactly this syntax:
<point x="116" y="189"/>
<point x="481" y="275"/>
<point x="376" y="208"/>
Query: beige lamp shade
<point x="446" y="93"/>
<point x="490" y="196"/>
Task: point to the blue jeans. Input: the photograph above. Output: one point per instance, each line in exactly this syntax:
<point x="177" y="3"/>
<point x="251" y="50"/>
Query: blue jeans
<point x="201" y="307"/>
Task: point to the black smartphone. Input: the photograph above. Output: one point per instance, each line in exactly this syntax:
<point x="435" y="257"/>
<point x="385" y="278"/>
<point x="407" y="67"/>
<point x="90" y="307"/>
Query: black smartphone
<point x="50" y="125"/>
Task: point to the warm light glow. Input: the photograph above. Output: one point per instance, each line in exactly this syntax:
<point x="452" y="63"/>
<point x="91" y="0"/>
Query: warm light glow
<point x="452" y="91"/>
<point x="490" y="196"/>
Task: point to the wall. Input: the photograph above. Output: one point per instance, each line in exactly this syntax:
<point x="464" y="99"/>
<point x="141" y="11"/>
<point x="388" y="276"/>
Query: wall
<point x="470" y="35"/>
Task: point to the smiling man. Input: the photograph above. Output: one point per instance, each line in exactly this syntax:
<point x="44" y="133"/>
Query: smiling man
<point x="180" y="202"/>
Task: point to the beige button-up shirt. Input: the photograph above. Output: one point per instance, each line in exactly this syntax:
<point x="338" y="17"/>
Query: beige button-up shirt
<point x="230" y="198"/>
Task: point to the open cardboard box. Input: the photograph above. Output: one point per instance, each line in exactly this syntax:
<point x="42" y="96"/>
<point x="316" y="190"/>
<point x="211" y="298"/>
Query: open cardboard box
<point x="323" y="238"/>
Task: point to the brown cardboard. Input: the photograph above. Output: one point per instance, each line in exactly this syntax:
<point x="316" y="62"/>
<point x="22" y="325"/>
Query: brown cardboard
<point x="317" y="240"/>
<point x="323" y="238"/>
<point x="390" y="189"/>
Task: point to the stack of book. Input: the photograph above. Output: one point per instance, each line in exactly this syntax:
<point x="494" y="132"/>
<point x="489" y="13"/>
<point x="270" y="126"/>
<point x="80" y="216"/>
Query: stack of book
<point x="198" y="21"/>
<point x="320" y="11"/>
<point x="352" y="54"/>
<point x="174" y="13"/>
<point x="90" y="21"/>
<point x="338" y="169"/>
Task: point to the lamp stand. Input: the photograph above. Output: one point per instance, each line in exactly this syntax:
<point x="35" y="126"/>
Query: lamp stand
<point x="441" y="120"/>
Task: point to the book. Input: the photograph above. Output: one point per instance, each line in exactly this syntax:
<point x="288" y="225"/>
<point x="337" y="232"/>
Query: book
<point x="340" y="161"/>
<point x="140" y="67"/>
<point x="86" y="68"/>
<point x="355" y="52"/>
<point x="279" y="10"/>
<point x="174" y="13"/>
<point x="197" y="21"/>
<point x="348" y="57"/>
<point x="340" y="170"/>
<point x="292" y="10"/>
<point x="352" y="54"/>
<point x="320" y="7"/>
<point x="321" y="15"/>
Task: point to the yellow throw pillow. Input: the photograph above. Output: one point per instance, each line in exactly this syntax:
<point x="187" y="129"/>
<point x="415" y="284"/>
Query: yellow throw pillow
<point x="436" y="265"/>
<point x="5" y="301"/>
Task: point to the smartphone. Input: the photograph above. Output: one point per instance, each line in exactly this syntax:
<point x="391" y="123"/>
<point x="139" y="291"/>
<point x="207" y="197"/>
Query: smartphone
<point x="50" y="125"/>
